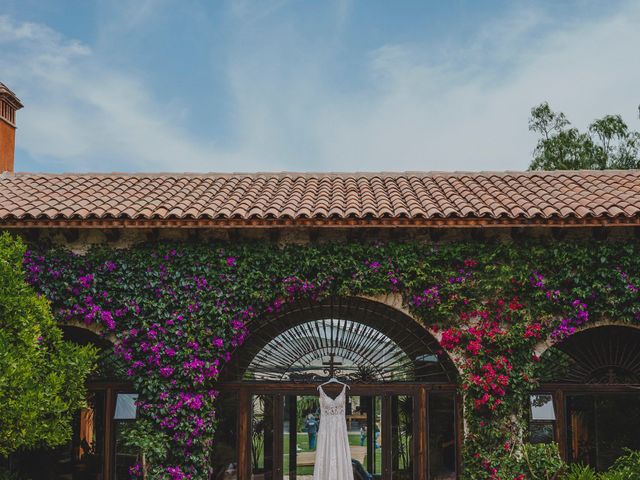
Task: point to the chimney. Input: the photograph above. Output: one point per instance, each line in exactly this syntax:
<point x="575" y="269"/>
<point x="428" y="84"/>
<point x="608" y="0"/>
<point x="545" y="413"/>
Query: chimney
<point x="9" y="104"/>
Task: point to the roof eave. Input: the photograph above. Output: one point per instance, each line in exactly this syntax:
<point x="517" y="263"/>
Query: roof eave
<point x="385" y="222"/>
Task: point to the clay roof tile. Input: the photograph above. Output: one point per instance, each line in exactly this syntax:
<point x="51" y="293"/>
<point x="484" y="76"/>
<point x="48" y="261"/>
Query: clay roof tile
<point x="510" y="195"/>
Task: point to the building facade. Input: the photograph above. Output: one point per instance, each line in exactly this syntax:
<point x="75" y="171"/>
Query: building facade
<point x="408" y="414"/>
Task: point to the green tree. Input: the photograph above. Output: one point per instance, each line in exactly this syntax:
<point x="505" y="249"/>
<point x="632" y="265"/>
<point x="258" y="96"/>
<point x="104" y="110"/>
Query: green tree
<point x="607" y="144"/>
<point x="41" y="376"/>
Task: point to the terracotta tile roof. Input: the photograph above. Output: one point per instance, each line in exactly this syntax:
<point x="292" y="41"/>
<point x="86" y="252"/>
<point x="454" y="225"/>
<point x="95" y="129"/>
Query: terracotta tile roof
<point x="292" y="198"/>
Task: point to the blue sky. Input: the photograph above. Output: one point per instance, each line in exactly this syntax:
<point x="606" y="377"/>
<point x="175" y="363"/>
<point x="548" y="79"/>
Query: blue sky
<point x="333" y="85"/>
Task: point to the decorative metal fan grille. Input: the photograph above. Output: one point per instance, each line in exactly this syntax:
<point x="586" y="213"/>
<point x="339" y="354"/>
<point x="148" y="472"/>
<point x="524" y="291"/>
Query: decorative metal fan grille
<point x="332" y="347"/>
<point x="604" y="355"/>
<point x="359" y="339"/>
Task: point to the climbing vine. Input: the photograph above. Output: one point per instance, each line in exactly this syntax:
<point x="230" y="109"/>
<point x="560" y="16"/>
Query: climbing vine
<point x="178" y="311"/>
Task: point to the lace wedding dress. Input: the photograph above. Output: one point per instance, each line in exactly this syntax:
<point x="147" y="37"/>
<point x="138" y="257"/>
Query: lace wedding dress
<point x="333" y="455"/>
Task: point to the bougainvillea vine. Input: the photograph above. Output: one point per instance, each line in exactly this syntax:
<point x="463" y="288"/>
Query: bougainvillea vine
<point x="177" y="312"/>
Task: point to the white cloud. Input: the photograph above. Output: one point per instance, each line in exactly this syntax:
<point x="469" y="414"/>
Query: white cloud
<point x="82" y="115"/>
<point x="421" y="114"/>
<point x="418" y="108"/>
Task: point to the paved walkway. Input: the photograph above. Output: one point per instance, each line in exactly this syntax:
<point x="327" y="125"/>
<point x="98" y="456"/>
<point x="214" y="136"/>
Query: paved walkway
<point x="307" y="459"/>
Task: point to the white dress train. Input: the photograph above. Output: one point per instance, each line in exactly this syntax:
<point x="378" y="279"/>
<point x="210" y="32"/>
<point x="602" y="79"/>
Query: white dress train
<point x="333" y="455"/>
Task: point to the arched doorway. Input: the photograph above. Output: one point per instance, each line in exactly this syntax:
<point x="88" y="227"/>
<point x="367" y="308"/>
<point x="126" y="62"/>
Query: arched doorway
<point x="594" y="377"/>
<point x="402" y="412"/>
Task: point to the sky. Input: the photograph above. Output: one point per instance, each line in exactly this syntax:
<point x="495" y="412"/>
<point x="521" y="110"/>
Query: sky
<point x="323" y="85"/>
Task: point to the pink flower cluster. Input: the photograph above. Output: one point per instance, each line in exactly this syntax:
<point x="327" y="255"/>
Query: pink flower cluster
<point x="568" y="325"/>
<point x="429" y="298"/>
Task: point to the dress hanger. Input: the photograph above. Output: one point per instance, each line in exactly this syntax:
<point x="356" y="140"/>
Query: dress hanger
<point x="334" y="380"/>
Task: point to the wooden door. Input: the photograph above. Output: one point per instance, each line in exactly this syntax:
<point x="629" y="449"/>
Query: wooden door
<point x="404" y="433"/>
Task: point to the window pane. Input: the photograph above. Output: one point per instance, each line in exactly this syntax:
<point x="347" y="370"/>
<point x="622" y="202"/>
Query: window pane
<point x="541" y="432"/>
<point x="126" y="406"/>
<point x="125" y="456"/>
<point x="542" y="407"/>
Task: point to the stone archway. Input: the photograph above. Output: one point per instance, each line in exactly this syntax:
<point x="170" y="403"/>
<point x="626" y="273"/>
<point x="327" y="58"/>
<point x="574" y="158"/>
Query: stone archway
<point x="408" y="403"/>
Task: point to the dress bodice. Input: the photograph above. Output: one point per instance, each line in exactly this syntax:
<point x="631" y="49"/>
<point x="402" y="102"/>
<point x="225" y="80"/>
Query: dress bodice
<point x="332" y="406"/>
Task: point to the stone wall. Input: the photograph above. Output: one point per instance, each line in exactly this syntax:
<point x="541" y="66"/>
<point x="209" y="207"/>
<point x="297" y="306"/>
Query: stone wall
<point x="80" y="239"/>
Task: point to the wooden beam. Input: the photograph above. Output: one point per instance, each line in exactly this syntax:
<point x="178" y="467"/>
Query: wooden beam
<point x="293" y="437"/>
<point x="365" y="389"/>
<point x="421" y="416"/>
<point x="278" y="437"/>
<point x="561" y="424"/>
<point x="386" y="438"/>
<point x="110" y="441"/>
<point x="459" y="419"/>
<point x="244" y="435"/>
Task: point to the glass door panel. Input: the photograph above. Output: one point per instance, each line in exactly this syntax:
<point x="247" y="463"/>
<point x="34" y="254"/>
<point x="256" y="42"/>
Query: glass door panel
<point x="224" y="453"/>
<point x="363" y="432"/>
<point x="441" y="429"/>
<point x="372" y="408"/>
<point x="301" y="421"/>
<point x="402" y="450"/>
<point x="600" y="426"/>
<point x="262" y="424"/>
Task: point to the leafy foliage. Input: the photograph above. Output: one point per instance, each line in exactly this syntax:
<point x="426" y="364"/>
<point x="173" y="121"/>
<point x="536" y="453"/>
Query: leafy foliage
<point x="607" y="144"/>
<point x="624" y="468"/>
<point x="628" y="466"/>
<point x="581" y="472"/>
<point x="41" y="376"/>
<point x="543" y="461"/>
<point x="179" y="312"/>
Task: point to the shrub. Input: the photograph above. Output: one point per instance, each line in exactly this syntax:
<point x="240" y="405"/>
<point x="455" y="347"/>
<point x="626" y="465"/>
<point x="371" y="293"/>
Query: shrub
<point x="624" y="468"/>
<point x="41" y="376"/>
<point x="578" y="471"/>
<point x="8" y="475"/>
<point x="627" y="466"/>
<point x="543" y="461"/>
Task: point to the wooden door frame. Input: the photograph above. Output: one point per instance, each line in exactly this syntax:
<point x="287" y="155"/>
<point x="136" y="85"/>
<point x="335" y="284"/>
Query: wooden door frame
<point x="110" y="390"/>
<point x="418" y="391"/>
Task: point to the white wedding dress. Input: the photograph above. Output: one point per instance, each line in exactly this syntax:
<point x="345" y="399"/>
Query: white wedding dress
<point x="333" y="455"/>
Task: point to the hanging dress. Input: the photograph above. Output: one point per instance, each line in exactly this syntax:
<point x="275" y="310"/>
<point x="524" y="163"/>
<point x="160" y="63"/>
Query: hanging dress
<point x="333" y="455"/>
